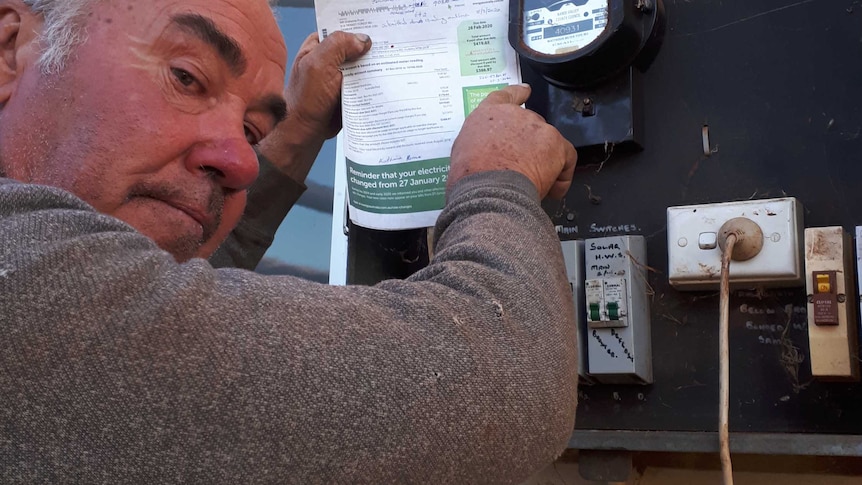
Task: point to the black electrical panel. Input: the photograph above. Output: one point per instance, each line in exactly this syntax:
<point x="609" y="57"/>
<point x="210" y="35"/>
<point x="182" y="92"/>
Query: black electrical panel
<point x="777" y="85"/>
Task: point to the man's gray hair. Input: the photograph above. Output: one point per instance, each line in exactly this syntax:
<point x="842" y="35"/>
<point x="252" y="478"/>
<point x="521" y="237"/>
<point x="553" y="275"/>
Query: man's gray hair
<point x="62" y="32"/>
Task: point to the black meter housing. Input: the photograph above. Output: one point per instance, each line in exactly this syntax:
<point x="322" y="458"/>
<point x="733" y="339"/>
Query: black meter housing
<point x="628" y="33"/>
<point x="584" y="59"/>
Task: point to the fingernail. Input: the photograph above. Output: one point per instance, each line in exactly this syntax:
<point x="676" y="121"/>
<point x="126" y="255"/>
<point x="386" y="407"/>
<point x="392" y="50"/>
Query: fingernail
<point x="362" y="38"/>
<point x="523" y="85"/>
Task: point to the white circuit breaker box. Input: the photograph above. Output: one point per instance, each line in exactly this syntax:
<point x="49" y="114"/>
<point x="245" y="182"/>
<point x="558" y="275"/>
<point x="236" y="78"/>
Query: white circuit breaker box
<point x="617" y="315"/>
<point x="573" y="254"/>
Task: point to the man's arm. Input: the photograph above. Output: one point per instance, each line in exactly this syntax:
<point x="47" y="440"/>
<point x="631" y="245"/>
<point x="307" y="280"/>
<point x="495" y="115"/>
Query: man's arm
<point x="117" y="362"/>
<point x="270" y="198"/>
<point x="122" y="364"/>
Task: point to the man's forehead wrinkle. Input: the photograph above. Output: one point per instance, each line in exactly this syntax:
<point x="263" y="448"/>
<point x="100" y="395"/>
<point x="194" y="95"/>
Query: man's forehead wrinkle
<point x="140" y="54"/>
<point x="205" y="29"/>
<point x="273" y="104"/>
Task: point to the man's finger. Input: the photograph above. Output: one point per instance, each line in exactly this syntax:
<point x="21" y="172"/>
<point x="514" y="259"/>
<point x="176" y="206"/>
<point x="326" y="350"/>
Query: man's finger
<point x="571" y="161"/>
<point x="341" y="46"/>
<point x="564" y="180"/>
<point x="516" y="94"/>
<point x="308" y="44"/>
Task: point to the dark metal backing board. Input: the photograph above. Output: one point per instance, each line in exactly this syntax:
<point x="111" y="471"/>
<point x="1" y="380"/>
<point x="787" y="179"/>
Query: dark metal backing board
<point x="779" y="83"/>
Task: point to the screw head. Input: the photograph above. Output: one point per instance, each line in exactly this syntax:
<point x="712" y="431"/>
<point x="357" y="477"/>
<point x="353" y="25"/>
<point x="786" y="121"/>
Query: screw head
<point x="644" y="5"/>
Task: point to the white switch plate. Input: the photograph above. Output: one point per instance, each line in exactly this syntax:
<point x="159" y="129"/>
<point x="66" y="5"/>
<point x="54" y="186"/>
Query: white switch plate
<point x="695" y="266"/>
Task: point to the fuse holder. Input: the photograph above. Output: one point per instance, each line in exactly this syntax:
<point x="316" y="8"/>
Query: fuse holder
<point x="832" y="327"/>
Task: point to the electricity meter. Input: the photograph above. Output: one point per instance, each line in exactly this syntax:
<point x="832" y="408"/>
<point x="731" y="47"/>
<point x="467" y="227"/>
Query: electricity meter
<point x="584" y="60"/>
<point x="580" y="43"/>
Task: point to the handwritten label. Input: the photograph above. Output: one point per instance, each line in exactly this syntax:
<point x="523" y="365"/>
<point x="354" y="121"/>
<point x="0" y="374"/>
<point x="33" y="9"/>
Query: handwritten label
<point x="603" y="345"/>
<point x="602" y="259"/>
<point x="769" y="323"/>
<point x="623" y="345"/>
<point x="597" y="229"/>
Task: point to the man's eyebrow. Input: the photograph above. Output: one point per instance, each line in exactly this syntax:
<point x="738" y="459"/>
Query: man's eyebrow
<point x="207" y="31"/>
<point x="275" y="106"/>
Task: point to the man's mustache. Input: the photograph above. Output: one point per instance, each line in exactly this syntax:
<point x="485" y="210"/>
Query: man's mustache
<point x="207" y="203"/>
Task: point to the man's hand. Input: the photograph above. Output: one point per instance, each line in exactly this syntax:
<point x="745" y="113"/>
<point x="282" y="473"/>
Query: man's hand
<point x="500" y="135"/>
<point x="313" y="97"/>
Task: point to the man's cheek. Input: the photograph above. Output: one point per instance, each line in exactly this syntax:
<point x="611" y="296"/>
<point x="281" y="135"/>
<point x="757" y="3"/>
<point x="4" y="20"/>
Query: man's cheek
<point x="234" y="206"/>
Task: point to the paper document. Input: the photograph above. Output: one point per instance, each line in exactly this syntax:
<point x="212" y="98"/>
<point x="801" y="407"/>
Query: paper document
<point x="404" y="102"/>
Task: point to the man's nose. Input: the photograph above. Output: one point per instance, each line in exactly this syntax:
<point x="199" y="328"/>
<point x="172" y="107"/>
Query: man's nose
<point x="231" y="162"/>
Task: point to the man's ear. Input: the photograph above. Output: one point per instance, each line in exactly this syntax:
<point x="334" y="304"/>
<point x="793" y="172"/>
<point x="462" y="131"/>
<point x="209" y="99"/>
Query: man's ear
<point x="19" y="44"/>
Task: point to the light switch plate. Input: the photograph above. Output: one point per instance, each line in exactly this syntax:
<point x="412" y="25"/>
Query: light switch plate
<point x="695" y="264"/>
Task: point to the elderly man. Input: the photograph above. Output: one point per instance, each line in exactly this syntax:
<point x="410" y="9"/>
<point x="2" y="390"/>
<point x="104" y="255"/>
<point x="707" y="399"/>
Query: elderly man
<point x="127" y="134"/>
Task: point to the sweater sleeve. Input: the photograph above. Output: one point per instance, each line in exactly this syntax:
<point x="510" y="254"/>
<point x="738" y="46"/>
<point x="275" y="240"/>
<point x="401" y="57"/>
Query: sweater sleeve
<point x="120" y="365"/>
<point x="269" y="199"/>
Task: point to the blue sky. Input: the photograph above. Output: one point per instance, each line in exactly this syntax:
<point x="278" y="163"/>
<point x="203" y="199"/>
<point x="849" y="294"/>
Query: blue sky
<point x="304" y="237"/>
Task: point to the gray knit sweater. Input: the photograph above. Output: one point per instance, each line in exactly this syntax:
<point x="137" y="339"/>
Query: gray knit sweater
<point x="119" y="365"/>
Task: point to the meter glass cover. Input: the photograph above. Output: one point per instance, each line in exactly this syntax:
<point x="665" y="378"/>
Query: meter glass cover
<point x="560" y="27"/>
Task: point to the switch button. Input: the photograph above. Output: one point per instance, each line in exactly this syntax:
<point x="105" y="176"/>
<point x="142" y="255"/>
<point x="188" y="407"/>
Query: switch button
<point x="595" y="315"/>
<point x="613" y="310"/>
<point x="823" y="283"/>
<point x="825" y="300"/>
<point x="707" y="240"/>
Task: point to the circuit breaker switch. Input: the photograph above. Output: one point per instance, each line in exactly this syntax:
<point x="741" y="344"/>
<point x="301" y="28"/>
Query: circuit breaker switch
<point x="613" y="310"/>
<point x="595" y="312"/>
<point x="825" y="300"/>
<point x="617" y="310"/>
<point x="606" y="303"/>
<point x="595" y="299"/>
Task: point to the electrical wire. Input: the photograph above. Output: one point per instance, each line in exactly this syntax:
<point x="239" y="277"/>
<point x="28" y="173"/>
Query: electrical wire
<point x="724" y="362"/>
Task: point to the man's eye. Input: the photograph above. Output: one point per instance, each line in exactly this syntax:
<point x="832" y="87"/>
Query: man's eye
<point x="251" y="137"/>
<point x="183" y="77"/>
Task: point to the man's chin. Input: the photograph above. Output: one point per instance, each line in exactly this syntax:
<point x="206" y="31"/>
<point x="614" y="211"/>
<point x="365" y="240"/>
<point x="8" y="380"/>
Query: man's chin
<point x="182" y="248"/>
<point x="172" y="229"/>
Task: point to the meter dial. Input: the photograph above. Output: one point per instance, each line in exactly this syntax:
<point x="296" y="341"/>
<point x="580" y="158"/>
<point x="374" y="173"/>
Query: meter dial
<point x="563" y="26"/>
<point x="582" y="43"/>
